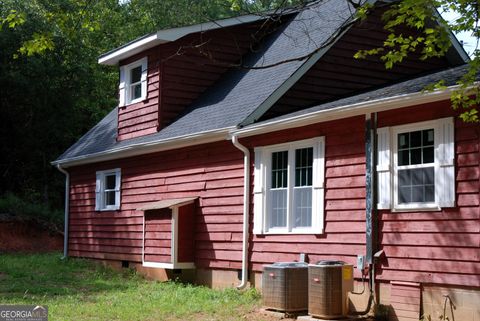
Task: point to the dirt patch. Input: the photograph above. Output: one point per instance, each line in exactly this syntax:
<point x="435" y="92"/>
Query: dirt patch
<point x="262" y="315"/>
<point x="28" y="237"/>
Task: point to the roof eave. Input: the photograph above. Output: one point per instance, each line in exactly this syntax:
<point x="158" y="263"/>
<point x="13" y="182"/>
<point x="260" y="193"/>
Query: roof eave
<point x="113" y="57"/>
<point x="147" y="148"/>
<point x="345" y="111"/>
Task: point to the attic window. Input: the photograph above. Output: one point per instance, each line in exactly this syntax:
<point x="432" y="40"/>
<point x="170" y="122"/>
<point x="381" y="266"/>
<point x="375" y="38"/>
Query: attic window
<point x="133" y="82"/>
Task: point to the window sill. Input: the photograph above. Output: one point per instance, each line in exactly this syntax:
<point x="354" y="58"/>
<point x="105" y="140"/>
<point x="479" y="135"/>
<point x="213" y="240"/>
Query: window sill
<point x="133" y="102"/>
<point x="116" y="209"/>
<point x="305" y="232"/>
<point x="417" y="209"/>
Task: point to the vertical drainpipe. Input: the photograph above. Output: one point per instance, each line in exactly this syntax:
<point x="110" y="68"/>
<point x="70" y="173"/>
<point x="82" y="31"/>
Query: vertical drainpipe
<point x="246" y="207"/>
<point x="67" y="202"/>
<point x="371" y="194"/>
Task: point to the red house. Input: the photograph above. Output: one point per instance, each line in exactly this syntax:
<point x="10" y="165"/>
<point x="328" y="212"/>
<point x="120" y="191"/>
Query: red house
<point x="209" y="170"/>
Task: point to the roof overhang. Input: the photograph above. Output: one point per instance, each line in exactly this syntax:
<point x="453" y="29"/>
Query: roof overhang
<point x="168" y="203"/>
<point x="362" y="108"/>
<point x="343" y="111"/>
<point x="167" y="35"/>
<point x="147" y="148"/>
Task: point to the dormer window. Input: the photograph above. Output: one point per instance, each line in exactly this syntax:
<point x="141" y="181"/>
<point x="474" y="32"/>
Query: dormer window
<point x="133" y="82"/>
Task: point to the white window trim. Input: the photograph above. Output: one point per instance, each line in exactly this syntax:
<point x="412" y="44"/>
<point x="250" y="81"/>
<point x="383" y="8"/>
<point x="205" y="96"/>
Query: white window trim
<point x="125" y="82"/>
<point x="444" y="153"/>
<point x="263" y="181"/>
<point x="100" y="190"/>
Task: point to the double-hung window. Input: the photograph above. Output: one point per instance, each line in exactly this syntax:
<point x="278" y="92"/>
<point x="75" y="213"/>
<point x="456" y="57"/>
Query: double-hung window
<point x="133" y="82"/>
<point x="288" y="194"/>
<point x="108" y="190"/>
<point x="416" y="166"/>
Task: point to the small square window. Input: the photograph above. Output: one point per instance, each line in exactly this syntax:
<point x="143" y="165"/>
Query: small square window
<point x="108" y="190"/>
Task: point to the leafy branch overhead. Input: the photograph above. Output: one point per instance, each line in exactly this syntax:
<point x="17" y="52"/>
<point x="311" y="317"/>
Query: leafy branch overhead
<point x="432" y="39"/>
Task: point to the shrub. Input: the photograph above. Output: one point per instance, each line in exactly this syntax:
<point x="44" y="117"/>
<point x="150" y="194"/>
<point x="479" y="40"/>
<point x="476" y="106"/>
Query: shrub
<point x="28" y="211"/>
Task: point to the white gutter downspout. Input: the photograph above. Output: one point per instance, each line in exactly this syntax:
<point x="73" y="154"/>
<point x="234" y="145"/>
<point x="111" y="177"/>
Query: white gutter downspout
<point x="67" y="202"/>
<point x="246" y="207"/>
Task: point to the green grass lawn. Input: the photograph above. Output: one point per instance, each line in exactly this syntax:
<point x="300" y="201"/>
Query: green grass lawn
<point x="77" y="289"/>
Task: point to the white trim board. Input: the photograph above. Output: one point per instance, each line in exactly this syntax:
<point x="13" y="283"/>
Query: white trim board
<point x="174" y="242"/>
<point x="167" y="35"/>
<point x="209" y="136"/>
<point x="345" y="111"/>
<point x="169" y="266"/>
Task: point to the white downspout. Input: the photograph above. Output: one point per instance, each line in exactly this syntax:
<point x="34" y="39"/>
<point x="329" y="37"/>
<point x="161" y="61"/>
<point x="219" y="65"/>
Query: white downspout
<point x="246" y="207"/>
<point x="67" y="202"/>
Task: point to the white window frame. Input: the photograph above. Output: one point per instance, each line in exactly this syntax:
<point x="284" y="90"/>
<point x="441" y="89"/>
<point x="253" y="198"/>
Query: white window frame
<point x="125" y="85"/>
<point x="407" y="129"/>
<point x="100" y="190"/>
<point x="263" y="158"/>
<point x="444" y="170"/>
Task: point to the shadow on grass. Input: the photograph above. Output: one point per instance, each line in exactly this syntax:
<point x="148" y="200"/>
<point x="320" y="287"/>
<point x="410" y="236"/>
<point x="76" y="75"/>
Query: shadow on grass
<point x="47" y="275"/>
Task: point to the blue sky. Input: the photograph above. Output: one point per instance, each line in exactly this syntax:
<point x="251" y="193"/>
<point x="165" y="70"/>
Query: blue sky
<point x="469" y="42"/>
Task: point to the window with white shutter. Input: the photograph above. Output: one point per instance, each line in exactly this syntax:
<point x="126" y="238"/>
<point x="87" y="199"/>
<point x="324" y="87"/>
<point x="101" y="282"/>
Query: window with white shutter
<point x="133" y="82"/>
<point x="108" y="190"/>
<point x="288" y="187"/>
<point x="416" y="166"/>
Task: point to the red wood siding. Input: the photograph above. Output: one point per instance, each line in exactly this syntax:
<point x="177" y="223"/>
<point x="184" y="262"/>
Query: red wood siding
<point x="405" y="299"/>
<point x="344" y="235"/>
<point x="186" y="233"/>
<point x="427" y="247"/>
<point x="214" y="172"/>
<point x="158" y="236"/>
<point x="441" y="246"/>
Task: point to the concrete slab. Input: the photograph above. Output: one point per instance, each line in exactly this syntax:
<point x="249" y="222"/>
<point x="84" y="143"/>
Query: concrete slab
<point x="353" y="318"/>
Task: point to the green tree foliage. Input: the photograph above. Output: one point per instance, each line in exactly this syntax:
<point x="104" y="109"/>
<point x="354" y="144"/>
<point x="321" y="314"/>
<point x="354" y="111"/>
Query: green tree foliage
<point x="433" y="40"/>
<point x="53" y="89"/>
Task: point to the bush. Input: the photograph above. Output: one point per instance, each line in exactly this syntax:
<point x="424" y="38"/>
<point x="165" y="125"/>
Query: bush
<point x="28" y="211"/>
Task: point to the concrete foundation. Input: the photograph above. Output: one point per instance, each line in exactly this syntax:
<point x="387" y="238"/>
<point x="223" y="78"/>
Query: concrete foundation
<point x="451" y="303"/>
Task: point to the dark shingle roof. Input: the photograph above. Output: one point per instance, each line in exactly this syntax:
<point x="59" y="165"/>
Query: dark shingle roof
<point x="239" y="92"/>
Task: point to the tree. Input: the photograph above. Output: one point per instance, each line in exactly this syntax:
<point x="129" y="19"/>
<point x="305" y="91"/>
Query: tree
<point x="56" y="91"/>
<point x="53" y="88"/>
<point x="431" y="40"/>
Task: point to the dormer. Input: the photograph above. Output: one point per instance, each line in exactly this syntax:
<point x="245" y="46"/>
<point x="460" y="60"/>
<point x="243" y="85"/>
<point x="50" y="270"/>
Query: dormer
<point x="163" y="73"/>
<point x="133" y="82"/>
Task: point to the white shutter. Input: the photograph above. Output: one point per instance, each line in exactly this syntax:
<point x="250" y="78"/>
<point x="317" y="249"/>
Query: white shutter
<point x="144" y="77"/>
<point x="121" y="88"/>
<point x="258" y="194"/>
<point x="318" y="197"/>
<point x="445" y="156"/>
<point x="384" y="168"/>
<point x="98" y="192"/>
<point x="118" y="182"/>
